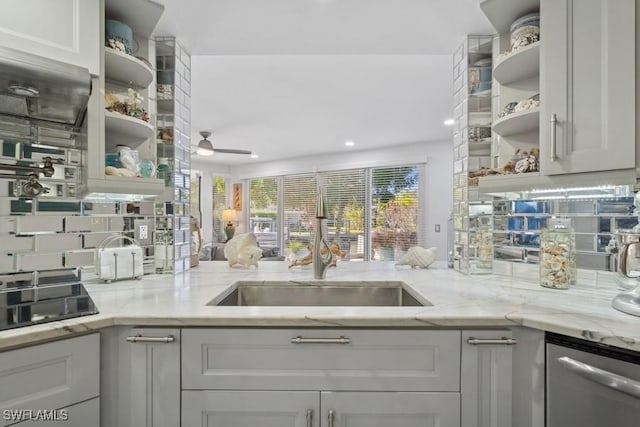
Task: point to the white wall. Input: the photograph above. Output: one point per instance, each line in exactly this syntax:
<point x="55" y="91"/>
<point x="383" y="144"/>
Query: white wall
<point x="437" y="155"/>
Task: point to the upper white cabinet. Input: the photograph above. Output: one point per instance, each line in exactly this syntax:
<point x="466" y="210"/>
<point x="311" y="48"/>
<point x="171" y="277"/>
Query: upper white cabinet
<point x="64" y="30"/>
<point x="587" y="83"/>
<point x="121" y="72"/>
<point x="516" y="117"/>
<point x="584" y="70"/>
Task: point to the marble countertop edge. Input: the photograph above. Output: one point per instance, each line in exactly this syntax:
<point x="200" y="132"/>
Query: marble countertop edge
<point x="460" y="301"/>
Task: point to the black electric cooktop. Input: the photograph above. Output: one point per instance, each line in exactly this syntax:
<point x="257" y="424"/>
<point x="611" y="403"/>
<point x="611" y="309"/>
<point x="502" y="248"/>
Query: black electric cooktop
<point x="31" y="299"/>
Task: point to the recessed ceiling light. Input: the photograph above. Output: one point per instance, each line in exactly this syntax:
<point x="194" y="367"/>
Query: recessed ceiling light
<point x="449" y="122"/>
<point x="349" y="143"/>
<point x="254" y="156"/>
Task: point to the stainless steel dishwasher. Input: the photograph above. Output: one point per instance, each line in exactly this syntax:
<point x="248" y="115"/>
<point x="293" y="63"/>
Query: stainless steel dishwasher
<point x="591" y="384"/>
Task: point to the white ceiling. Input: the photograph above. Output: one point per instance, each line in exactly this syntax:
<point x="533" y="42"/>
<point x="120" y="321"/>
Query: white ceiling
<point x="286" y="78"/>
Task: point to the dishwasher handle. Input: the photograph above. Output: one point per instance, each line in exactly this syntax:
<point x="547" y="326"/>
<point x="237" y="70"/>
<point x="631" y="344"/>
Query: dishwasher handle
<point x="600" y="376"/>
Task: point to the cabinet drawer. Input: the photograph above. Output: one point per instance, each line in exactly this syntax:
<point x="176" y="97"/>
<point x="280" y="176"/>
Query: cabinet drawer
<point x="80" y="415"/>
<point x="50" y="376"/>
<point x="370" y="360"/>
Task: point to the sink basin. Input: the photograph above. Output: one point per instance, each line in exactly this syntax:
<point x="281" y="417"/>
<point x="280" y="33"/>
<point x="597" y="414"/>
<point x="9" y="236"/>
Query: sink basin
<point x="319" y="293"/>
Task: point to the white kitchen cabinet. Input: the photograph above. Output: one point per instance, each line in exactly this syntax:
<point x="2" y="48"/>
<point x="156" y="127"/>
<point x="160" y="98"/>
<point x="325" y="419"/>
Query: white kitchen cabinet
<point x="243" y="377"/>
<point x="79" y="415"/>
<point x="587" y="85"/>
<point x="64" y="30"/>
<point x="586" y="81"/>
<point x="203" y="408"/>
<point x="485" y="379"/>
<point x="141" y="377"/>
<point x="251" y="408"/>
<point x="51" y="376"/>
<point x="528" y="378"/>
<point x="120" y="72"/>
<point x="320" y="359"/>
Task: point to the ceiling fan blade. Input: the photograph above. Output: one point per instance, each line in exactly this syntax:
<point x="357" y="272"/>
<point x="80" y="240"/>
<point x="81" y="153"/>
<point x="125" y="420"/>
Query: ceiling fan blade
<point x="231" y="151"/>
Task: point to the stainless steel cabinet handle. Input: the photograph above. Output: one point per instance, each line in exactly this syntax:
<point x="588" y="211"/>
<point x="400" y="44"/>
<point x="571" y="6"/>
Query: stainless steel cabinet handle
<point x="309" y="417"/>
<point x="332" y="416"/>
<point x="497" y="341"/>
<point x="301" y="340"/>
<point x="600" y="376"/>
<point x="140" y="338"/>
<point x="554" y="122"/>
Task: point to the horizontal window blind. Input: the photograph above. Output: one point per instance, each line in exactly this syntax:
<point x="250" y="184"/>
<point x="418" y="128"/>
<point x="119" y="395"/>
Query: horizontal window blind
<point x="394" y="211"/>
<point x="299" y="203"/>
<point x="375" y="210"/>
<point x="346" y="205"/>
<point x="263" y="210"/>
<point x="219" y="202"/>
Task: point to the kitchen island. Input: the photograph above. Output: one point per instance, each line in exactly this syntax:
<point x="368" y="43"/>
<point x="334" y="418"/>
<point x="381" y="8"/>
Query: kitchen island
<point x="459" y="301"/>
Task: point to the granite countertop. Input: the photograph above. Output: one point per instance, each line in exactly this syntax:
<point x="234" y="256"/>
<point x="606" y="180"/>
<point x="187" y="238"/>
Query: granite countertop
<point x="458" y="300"/>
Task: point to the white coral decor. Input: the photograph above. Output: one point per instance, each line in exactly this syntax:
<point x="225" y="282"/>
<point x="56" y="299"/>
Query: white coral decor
<point x="418" y="257"/>
<point x="243" y="250"/>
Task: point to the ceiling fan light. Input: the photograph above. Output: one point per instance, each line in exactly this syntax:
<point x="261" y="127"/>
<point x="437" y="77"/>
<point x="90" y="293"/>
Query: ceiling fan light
<point x="205" y="148"/>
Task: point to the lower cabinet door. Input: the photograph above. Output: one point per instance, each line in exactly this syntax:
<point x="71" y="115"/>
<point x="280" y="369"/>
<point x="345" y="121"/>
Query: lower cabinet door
<point x="80" y="415"/>
<point x="390" y="409"/>
<point x="250" y="408"/>
<point x="48" y="376"/>
<point x="485" y="382"/>
<point x="141" y="377"/>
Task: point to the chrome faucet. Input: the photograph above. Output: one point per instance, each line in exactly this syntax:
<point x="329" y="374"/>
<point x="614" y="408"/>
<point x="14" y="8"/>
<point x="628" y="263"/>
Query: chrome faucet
<point x="321" y="262"/>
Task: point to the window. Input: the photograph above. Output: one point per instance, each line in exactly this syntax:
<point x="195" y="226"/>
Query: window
<point x="346" y="202"/>
<point x="299" y="202"/>
<point x="220" y="202"/>
<point x="394" y="211"/>
<point x="373" y="213"/>
<point x="263" y="210"/>
<point x="194" y="195"/>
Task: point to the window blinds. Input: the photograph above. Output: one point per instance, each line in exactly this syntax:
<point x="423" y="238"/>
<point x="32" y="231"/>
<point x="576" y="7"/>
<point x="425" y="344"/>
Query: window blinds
<point x="220" y="202"/>
<point x="374" y="213"/>
<point x="263" y="210"/>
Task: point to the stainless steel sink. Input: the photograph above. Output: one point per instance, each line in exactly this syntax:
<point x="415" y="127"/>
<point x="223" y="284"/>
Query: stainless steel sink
<point x="319" y="293"/>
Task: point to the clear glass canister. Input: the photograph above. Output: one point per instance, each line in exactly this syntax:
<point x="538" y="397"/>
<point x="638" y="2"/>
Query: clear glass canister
<point x="481" y="245"/>
<point x="163" y="171"/>
<point x="557" y="254"/>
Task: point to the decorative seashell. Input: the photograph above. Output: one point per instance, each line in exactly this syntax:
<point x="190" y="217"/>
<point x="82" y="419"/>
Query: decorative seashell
<point x="522" y="166"/>
<point x="243" y="249"/>
<point x="418" y="257"/>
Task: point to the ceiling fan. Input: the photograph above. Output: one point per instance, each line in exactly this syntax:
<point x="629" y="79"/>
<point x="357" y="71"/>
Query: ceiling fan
<point x="205" y="148"/>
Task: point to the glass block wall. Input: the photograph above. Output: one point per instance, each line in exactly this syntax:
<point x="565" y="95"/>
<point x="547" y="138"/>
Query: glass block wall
<point x="173" y="65"/>
<point x="472" y="221"/>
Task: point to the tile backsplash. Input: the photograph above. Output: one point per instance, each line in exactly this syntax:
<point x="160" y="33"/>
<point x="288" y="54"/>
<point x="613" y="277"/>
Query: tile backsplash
<point x="517" y="225"/>
<point x="54" y="234"/>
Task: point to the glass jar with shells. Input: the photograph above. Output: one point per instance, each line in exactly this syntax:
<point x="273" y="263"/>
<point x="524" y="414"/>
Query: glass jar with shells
<point x="557" y="254"/>
<point x="481" y="244"/>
